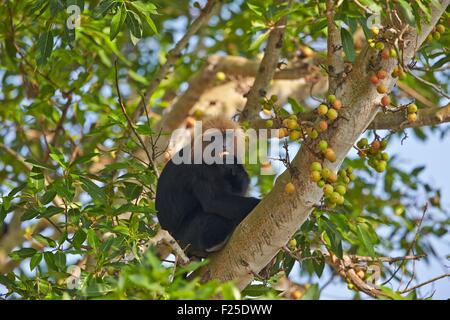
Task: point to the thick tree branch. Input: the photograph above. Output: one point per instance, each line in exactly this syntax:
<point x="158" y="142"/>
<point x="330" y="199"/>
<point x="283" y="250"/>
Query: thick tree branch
<point x="266" y="69"/>
<point x="397" y="121"/>
<point x="334" y="48"/>
<point x="273" y="222"/>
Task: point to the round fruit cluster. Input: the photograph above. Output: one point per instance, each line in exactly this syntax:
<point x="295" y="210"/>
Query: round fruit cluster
<point x="412" y="112"/>
<point x="374" y="152"/>
<point x="289" y="125"/>
<point x="436" y="33"/>
<point x="328" y="112"/>
<point x="334" y="185"/>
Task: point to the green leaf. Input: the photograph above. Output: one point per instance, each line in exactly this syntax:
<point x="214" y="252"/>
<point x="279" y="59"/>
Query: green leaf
<point x="256" y="9"/>
<point x="39" y="165"/>
<point x="347" y="44"/>
<point x="48" y="197"/>
<point x="93" y="190"/>
<point x="296" y="107"/>
<point x="102" y="8"/>
<point x="92" y="238"/>
<point x="117" y="22"/>
<point x="259" y="40"/>
<point x="78" y="239"/>
<point x="51" y="211"/>
<point x="50" y="260"/>
<point x="44" y="240"/>
<point x="45" y="46"/>
<point x="35" y="260"/>
<point x="133" y="24"/>
<point x="22" y="253"/>
<point x="407" y="12"/>
<point x="132" y="190"/>
<point x="365" y="238"/>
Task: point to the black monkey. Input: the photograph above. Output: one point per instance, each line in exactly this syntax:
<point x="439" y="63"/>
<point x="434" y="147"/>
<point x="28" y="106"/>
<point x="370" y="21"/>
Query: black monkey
<point x="201" y="204"/>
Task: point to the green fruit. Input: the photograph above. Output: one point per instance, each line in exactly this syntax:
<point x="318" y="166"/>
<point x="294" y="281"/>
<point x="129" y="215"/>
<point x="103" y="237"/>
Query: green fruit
<point x="379" y="45"/>
<point x="332" y="98"/>
<point x="323" y="145"/>
<point x="362" y="143"/>
<point x="385" y="156"/>
<point x="381" y="166"/>
<point x="269" y="123"/>
<point x="335" y="197"/>
<point x="328" y="189"/>
<point x="412" y="108"/>
<point x="436" y="36"/>
<point x="321" y="184"/>
<point x="274" y="98"/>
<point x="393" y="53"/>
<point x="349" y="170"/>
<point x="342" y="173"/>
<point x="341" y="200"/>
<point x="440" y="28"/>
<point x="314" y="134"/>
<point x="295" y="135"/>
<point x="352" y="177"/>
<point x="341" y="189"/>
<point x="332" y="114"/>
<point x="325" y="173"/>
<point x="316" y="166"/>
<point x="329" y="204"/>
<point x="383" y="144"/>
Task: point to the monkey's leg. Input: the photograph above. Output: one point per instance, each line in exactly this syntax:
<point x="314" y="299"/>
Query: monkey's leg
<point x="205" y="233"/>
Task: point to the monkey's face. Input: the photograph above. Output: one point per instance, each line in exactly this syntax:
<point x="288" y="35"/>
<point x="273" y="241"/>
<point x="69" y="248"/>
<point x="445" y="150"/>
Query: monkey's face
<point x="224" y="146"/>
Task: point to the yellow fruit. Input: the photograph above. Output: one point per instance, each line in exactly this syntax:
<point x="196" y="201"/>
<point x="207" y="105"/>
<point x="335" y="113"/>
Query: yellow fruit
<point x="315" y="176"/>
<point x="292" y="244"/>
<point x="221" y="76"/>
<point x="332" y="114"/>
<point x="295" y="135"/>
<point x="412" y="108"/>
<point x="292" y="124"/>
<point x="282" y="132"/>
<point x="269" y="123"/>
<point x="381" y="89"/>
<point x="412" y="117"/>
<point x="330" y="155"/>
<point x="316" y="166"/>
<point x="289" y="188"/>
<point x="322" y="109"/>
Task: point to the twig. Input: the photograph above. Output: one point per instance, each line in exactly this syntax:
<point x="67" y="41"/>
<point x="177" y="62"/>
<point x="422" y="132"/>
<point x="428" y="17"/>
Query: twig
<point x="432" y="85"/>
<point x="411" y="247"/>
<point x="206" y="13"/>
<point x="425" y="283"/>
<point x="130" y="123"/>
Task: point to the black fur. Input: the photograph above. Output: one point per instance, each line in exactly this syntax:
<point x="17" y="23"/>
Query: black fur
<point x="201" y="204"/>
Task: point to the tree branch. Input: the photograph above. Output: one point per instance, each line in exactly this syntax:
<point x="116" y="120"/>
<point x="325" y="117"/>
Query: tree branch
<point x="266" y="69"/>
<point x="273" y="222"/>
<point x="334" y="48"/>
<point x="397" y="121"/>
<point x="207" y="12"/>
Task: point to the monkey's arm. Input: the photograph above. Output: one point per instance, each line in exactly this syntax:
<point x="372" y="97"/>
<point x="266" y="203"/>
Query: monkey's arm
<point x="227" y="205"/>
